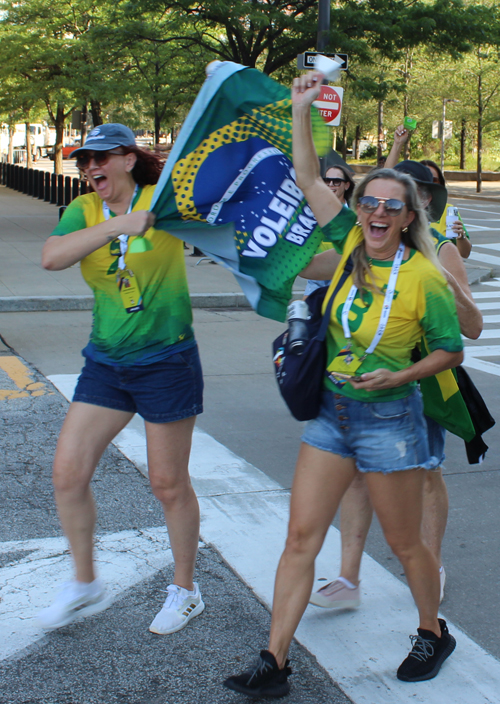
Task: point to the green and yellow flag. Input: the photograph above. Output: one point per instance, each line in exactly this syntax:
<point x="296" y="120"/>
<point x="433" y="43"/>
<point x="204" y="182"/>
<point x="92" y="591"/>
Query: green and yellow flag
<point x="229" y="188"/>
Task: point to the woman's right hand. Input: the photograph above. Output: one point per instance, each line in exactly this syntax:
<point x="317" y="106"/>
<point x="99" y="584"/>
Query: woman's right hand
<point x="136" y="223"/>
<point x="401" y="135"/>
<point x="306" y="88"/>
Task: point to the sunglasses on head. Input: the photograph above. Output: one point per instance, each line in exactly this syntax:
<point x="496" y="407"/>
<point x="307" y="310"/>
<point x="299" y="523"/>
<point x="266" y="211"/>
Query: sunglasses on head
<point x="392" y="206"/>
<point x="100" y="158"/>
<point x="334" y="181"/>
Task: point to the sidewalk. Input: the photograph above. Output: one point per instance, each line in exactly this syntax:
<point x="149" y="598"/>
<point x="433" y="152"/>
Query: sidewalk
<point x="25" y="224"/>
<point x="467" y="189"/>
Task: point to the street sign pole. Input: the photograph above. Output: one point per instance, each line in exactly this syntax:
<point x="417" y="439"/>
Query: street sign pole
<point x="322" y="43"/>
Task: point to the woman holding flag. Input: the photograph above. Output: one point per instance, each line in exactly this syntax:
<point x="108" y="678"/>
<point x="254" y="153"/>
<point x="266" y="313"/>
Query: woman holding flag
<point x="372" y="416"/>
<point x="141" y="358"/>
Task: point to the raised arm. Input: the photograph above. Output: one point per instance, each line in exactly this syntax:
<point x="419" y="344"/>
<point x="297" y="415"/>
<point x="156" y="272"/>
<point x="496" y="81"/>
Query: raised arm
<point x="324" y="204"/>
<point x="400" y="138"/>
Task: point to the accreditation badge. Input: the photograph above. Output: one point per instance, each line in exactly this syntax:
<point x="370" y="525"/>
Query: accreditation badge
<point x="129" y="291"/>
<point x="343" y="366"/>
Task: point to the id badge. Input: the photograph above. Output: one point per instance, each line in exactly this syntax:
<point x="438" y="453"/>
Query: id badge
<point x="130" y="292"/>
<point x="345" y="364"/>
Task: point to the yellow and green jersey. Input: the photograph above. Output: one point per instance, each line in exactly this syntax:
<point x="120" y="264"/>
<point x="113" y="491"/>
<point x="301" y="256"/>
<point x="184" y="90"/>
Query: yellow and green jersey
<point x="423" y="305"/>
<point x="164" y="327"/>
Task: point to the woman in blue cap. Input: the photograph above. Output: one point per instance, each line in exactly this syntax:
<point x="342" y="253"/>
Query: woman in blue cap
<point x="141" y="358"/>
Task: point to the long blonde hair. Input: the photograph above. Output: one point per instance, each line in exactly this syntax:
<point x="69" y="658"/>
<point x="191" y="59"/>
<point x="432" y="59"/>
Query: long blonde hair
<point x="417" y="236"/>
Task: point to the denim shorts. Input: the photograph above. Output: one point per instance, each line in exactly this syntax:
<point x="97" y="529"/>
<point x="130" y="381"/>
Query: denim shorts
<point x="162" y="392"/>
<point x="382" y="436"/>
<point x="437" y="436"/>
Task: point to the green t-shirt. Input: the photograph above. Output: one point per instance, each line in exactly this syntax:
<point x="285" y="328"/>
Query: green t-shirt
<point x="164" y="327"/>
<point x="422" y="305"/>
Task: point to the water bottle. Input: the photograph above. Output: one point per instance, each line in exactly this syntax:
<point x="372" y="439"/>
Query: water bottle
<point x="298" y="334"/>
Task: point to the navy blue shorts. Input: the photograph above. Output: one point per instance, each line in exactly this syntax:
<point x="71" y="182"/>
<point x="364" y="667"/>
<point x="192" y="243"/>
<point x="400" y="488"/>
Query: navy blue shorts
<point x="162" y="392"/>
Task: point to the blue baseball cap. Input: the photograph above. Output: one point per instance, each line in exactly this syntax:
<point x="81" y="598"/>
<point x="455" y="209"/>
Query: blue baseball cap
<point x="106" y="137"/>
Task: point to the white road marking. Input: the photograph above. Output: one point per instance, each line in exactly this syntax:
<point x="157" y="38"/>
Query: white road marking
<point x="493" y="305"/>
<point x="243" y="510"/>
<point x="491" y="319"/>
<point x="29" y="584"/>
<point x="478" y="295"/>
<point x="493" y="245"/>
<point x="488" y="334"/>
<point x="487" y="258"/>
<point x="473" y="210"/>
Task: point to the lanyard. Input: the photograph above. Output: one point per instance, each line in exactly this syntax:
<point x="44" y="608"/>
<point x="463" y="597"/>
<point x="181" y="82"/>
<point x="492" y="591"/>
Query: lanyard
<point x="386" y="308"/>
<point x="123" y="238"/>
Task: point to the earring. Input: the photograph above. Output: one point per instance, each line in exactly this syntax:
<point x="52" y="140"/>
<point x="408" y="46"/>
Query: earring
<point x="358" y="224"/>
<point x="405" y="229"/>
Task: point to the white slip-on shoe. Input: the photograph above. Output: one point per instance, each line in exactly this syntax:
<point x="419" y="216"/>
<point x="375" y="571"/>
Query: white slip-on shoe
<point x="75" y="600"/>
<point x="337" y="595"/>
<point x="179" y="608"/>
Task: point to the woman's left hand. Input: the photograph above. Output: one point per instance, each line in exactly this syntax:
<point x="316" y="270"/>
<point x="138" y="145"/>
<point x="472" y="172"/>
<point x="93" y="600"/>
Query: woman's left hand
<point x="376" y="380"/>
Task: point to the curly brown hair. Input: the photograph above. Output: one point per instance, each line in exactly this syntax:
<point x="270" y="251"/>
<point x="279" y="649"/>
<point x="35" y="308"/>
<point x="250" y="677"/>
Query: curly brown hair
<point x="148" y="166"/>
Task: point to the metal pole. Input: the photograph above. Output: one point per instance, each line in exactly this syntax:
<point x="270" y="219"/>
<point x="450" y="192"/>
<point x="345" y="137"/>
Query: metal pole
<point x="442" y="135"/>
<point x="323" y="25"/>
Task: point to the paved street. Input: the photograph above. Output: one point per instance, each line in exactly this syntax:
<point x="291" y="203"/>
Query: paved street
<point x="243" y="460"/>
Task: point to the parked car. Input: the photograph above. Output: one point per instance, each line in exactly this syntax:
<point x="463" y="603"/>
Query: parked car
<point x="66" y="151"/>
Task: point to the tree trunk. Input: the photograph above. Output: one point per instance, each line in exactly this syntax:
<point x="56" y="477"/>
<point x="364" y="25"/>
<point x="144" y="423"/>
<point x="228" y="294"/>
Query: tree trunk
<point x="479" y="178"/>
<point x="357" y="140"/>
<point x="10" y="154"/>
<point x="157" y="121"/>
<point x="344" y="141"/>
<point x="29" y="154"/>
<point x="83" y="129"/>
<point x="59" y="125"/>
<point x="462" y="143"/>
<point x="380" y="139"/>
<point x="95" y="109"/>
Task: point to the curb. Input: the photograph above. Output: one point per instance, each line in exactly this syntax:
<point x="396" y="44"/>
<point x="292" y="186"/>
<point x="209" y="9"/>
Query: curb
<point x="475" y="196"/>
<point x="33" y="304"/>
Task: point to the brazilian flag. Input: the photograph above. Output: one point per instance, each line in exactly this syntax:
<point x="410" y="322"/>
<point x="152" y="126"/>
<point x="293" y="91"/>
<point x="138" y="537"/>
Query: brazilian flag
<point x="228" y="186"/>
<point x="443" y="401"/>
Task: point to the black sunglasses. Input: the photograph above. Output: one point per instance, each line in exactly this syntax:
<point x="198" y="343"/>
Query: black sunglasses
<point x="100" y="158"/>
<point x="334" y="181"/>
<point x="392" y="206"/>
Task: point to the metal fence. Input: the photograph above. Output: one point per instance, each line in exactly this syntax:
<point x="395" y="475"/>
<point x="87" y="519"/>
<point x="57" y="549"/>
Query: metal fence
<point x="59" y="190"/>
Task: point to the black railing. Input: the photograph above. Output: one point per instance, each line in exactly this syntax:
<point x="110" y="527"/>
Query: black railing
<point x="58" y="190"/>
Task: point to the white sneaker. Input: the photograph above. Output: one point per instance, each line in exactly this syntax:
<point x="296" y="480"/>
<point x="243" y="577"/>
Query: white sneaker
<point x="75" y="600"/>
<point x="442" y="582"/>
<point x="339" y="594"/>
<point x="179" y="608"/>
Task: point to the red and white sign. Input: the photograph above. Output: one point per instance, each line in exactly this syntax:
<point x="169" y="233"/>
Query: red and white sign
<point x="329" y="103"/>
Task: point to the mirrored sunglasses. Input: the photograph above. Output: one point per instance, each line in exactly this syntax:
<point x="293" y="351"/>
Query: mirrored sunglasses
<point x="392" y="206"/>
<point x="334" y="181"/>
<point x="100" y="158"/>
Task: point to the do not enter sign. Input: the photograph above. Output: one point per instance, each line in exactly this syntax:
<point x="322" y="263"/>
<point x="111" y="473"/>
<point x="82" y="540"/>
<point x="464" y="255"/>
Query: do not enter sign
<point x="329" y="103"/>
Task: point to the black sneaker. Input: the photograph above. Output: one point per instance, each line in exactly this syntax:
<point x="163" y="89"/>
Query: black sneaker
<point x="263" y="680"/>
<point x="427" y="655"/>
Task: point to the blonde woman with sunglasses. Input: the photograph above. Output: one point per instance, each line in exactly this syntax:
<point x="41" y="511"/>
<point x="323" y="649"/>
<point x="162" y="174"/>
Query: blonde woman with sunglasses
<point x="141" y="358"/>
<point x="372" y="416"/>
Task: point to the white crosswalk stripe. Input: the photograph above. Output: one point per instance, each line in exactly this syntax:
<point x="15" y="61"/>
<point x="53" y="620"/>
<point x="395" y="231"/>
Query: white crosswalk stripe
<point x="477" y="354"/>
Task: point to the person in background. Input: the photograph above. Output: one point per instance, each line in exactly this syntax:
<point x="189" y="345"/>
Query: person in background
<point x="141" y="358"/>
<point x="340" y="182"/>
<point x="462" y="239"/>
<point x="356" y="510"/>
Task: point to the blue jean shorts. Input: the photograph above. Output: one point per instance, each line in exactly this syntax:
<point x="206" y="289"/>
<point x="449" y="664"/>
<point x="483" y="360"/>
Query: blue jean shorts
<point x="382" y="436"/>
<point x="162" y="392"/>
<point x="437" y="436"/>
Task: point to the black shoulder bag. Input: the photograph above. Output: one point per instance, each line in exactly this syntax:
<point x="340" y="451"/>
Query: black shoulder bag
<point x="300" y="376"/>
